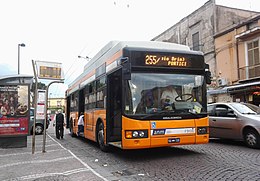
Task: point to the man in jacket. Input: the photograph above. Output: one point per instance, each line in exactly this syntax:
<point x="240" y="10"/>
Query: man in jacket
<point x="59" y="124"/>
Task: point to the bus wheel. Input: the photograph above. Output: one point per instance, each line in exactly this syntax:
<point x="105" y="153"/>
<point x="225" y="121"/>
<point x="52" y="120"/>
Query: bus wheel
<point x="101" y="138"/>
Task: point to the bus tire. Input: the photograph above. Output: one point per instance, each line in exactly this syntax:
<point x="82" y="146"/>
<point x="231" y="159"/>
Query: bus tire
<point x="101" y="137"/>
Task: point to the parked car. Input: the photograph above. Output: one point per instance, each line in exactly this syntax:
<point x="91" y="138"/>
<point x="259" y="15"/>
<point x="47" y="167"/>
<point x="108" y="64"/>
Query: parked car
<point x="39" y="124"/>
<point x="234" y="121"/>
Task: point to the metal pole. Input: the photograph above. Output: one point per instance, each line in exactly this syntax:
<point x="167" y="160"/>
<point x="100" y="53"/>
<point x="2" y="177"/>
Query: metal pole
<point x="18" y="59"/>
<point x="45" y="113"/>
<point x="35" y="106"/>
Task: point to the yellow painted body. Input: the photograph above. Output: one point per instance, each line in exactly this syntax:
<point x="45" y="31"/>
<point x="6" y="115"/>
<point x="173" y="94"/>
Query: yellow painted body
<point x="92" y="116"/>
<point x="162" y="140"/>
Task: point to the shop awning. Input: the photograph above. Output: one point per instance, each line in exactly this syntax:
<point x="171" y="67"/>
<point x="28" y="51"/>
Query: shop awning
<point x="243" y="86"/>
<point x="217" y="91"/>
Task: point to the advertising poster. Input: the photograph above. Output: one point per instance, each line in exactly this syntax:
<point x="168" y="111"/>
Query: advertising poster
<point x="41" y="104"/>
<point x="14" y="110"/>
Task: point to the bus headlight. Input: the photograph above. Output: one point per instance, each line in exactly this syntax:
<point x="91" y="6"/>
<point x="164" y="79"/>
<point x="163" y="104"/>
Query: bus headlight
<point x="141" y="134"/>
<point x="202" y="130"/>
<point x="136" y="134"/>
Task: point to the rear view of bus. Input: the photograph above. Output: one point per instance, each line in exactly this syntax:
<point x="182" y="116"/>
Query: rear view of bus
<point x="154" y="96"/>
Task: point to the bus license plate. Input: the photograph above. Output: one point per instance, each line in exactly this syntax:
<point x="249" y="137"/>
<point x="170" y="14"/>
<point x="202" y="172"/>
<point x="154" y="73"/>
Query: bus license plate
<point x="173" y="140"/>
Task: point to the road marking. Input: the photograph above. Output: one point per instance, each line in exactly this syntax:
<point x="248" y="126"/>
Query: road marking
<point x="27" y="153"/>
<point x="51" y="145"/>
<point x="82" y="162"/>
<point x="36" y="176"/>
<point x="36" y="161"/>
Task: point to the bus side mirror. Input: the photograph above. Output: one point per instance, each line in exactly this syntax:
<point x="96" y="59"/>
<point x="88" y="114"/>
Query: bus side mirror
<point x="207" y="74"/>
<point x="126" y="68"/>
<point x="208" y="77"/>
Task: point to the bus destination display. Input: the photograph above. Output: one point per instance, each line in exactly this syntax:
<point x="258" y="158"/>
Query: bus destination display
<point x="166" y="60"/>
<point x="50" y="72"/>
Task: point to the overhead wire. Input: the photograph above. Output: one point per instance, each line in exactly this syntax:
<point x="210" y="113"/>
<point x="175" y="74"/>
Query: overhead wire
<point x="67" y="75"/>
<point x="211" y="39"/>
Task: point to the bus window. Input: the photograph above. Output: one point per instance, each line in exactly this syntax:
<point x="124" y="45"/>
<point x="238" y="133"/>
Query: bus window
<point x="101" y="92"/>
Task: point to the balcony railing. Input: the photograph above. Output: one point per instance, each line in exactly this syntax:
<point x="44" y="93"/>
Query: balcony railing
<point x="249" y="72"/>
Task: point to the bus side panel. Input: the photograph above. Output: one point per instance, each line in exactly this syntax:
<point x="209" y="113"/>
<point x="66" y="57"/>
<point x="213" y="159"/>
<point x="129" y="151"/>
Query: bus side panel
<point x="88" y="124"/>
<point x="91" y="118"/>
<point x="203" y="122"/>
<point x="131" y="124"/>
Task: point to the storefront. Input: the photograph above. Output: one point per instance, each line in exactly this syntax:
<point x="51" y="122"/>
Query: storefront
<point x="248" y="92"/>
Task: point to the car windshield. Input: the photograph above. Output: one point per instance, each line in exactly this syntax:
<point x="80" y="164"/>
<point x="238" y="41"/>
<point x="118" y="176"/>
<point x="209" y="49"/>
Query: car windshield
<point x="149" y="93"/>
<point x="243" y="109"/>
<point x="253" y="107"/>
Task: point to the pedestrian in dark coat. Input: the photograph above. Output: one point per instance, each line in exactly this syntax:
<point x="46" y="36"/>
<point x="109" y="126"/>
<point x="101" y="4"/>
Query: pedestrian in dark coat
<point x="59" y="124"/>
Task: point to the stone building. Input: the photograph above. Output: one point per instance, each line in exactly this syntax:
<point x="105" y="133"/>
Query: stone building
<point x="238" y="63"/>
<point x="197" y="30"/>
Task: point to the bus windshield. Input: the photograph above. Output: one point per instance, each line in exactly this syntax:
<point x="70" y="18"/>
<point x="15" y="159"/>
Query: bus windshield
<point x="150" y="93"/>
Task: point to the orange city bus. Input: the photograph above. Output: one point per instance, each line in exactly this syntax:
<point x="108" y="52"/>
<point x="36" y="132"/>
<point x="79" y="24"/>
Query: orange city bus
<point x="141" y="95"/>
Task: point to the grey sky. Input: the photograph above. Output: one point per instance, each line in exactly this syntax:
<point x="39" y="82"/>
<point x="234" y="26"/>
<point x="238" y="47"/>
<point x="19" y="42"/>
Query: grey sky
<point x="60" y="30"/>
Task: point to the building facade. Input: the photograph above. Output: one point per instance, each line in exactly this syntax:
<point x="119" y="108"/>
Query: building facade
<point x="238" y="62"/>
<point x="197" y="30"/>
<point x="54" y="104"/>
<point x="229" y="39"/>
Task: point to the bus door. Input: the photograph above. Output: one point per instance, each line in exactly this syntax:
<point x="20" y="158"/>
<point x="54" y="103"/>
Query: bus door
<point x="114" y="106"/>
<point x="81" y="105"/>
<point x="82" y="102"/>
<point x="68" y="112"/>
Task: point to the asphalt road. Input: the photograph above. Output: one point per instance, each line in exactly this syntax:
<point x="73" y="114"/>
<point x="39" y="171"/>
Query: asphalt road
<point x="79" y="159"/>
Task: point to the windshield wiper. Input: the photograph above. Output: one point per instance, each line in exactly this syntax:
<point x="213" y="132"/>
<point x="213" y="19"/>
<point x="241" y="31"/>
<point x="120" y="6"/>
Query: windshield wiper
<point x="249" y="113"/>
<point x="183" y="111"/>
<point x="176" y="112"/>
<point x="157" y="113"/>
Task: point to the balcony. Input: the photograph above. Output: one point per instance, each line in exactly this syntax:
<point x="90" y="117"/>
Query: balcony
<point x="249" y="72"/>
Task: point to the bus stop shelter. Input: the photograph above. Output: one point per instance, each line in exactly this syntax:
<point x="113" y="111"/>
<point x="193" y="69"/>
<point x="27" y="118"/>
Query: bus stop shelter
<point x="14" y="110"/>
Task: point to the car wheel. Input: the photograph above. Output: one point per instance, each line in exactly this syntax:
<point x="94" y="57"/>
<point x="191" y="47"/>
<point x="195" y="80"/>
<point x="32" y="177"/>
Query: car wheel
<point x="101" y="138"/>
<point x="252" y="138"/>
<point x="38" y="129"/>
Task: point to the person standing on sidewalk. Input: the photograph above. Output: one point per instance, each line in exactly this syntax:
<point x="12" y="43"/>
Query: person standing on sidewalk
<point x="59" y="123"/>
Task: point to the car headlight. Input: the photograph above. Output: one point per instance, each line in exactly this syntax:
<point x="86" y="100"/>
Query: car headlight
<point x="136" y="134"/>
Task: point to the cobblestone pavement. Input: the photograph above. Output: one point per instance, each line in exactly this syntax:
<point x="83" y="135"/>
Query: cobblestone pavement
<point x="79" y="159"/>
<point x="218" y="160"/>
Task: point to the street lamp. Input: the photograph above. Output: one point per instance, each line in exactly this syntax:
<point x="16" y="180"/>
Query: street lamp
<point x="19" y="45"/>
<point x="87" y="58"/>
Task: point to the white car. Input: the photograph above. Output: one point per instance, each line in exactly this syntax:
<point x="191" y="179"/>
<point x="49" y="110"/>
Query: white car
<point x="235" y="121"/>
<point x="39" y="124"/>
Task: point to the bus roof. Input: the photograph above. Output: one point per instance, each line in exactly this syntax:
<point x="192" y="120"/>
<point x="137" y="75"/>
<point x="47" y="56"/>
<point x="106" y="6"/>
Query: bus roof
<point x="114" y="47"/>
